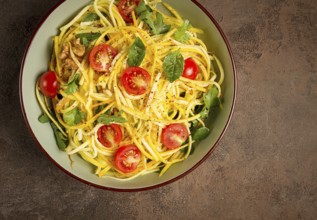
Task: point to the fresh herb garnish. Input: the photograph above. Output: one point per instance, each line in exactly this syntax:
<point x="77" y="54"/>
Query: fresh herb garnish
<point x="181" y="34"/>
<point x="73" y="116"/>
<point x="173" y="65"/>
<point x="136" y="53"/>
<point x="61" y="140"/>
<point x="108" y="119"/>
<point x="155" y="23"/>
<point x="87" y="38"/>
<point x="201" y="133"/>
<point x="43" y="118"/>
<point x="211" y="98"/>
<point x="72" y="85"/>
<point x="90" y="17"/>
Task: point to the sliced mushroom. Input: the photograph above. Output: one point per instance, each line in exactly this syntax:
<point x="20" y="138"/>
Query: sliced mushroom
<point x="78" y="48"/>
<point x="65" y="52"/>
<point x="69" y="66"/>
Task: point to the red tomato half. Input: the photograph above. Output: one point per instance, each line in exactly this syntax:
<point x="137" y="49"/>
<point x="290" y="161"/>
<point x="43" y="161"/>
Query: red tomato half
<point x="109" y="135"/>
<point x="127" y="158"/>
<point x="190" y="69"/>
<point x="101" y="56"/>
<point x="49" y="84"/>
<point x="135" y="80"/>
<point x="126" y="7"/>
<point x="174" y="135"/>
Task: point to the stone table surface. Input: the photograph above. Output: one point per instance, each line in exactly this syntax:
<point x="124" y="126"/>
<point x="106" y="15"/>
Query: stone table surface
<point x="265" y="167"/>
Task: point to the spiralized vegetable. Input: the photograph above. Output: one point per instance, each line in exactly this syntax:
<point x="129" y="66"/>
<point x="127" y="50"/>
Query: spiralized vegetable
<point x="146" y="115"/>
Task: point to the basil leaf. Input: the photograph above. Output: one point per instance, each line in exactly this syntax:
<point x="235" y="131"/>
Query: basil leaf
<point x="173" y="65"/>
<point x="181" y="34"/>
<point x="87" y="38"/>
<point x="108" y="119"/>
<point x="72" y="85"/>
<point x="211" y="98"/>
<point x="73" y="116"/>
<point x="61" y="140"/>
<point x="43" y="118"/>
<point x="136" y="53"/>
<point x="201" y="133"/>
<point x="90" y="17"/>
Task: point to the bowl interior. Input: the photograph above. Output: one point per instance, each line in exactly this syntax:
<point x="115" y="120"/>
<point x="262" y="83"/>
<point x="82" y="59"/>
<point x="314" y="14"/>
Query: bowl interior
<point x="35" y="63"/>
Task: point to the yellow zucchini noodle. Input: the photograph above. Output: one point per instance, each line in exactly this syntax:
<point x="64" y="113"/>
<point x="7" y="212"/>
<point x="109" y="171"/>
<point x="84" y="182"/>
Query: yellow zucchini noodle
<point x="101" y="93"/>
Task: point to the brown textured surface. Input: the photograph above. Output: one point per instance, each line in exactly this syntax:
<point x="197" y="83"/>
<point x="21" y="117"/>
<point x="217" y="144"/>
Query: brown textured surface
<point x="264" y="168"/>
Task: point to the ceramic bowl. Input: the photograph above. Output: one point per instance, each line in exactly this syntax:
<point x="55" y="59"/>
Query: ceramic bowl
<point x="35" y="62"/>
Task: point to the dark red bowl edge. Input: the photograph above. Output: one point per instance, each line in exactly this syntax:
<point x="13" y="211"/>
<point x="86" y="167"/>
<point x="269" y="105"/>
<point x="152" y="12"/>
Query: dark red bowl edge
<point x="143" y="188"/>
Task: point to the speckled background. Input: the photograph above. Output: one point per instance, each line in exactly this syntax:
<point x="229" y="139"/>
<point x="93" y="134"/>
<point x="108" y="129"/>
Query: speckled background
<point x="264" y="168"/>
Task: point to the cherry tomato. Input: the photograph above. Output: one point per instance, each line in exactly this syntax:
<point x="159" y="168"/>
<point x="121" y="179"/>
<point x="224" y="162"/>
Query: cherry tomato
<point x="174" y="135"/>
<point x="109" y="135"/>
<point x="49" y="84"/>
<point x="190" y="69"/>
<point x="135" y="80"/>
<point x="126" y="7"/>
<point x="127" y="158"/>
<point x="101" y="56"/>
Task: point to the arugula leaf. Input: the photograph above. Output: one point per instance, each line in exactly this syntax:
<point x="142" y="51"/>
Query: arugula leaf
<point x="108" y="119"/>
<point x="173" y="65"/>
<point x="72" y="85"/>
<point x="201" y="133"/>
<point x="73" y="116"/>
<point x="157" y="25"/>
<point x="87" y="38"/>
<point x="181" y="34"/>
<point x="90" y="17"/>
<point x="43" y="118"/>
<point x="136" y="53"/>
<point x="142" y="7"/>
<point x="61" y="140"/>
<point x="211" y="98"/>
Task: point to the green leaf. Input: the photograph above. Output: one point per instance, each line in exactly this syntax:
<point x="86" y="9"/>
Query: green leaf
<point x="201" y="133"/>
<point x="173" y="65"/>
<point x="136" y="53"/>
<point x="87" y="38"/>
<point x="61" y="140"/>
<point x="73" y="116"/>
<point x="159" y="26"/>
<point x="108" y="119"/>
<point x="90" y="17"/>
<point x="142" y="7"/>
<point x="43" y="118"/>
<point x="181" y="34"/>
<point x="72" y="85"/>
<point x="211" y="98"/>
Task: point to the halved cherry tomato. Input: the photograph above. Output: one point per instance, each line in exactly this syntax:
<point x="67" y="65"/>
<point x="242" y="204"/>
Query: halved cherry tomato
<point x="101" y="56"/>
<point x="135" y="80"/>
<point x="126" y="7"/>
<point x="109" y="135"/>
<point x="174" y="135"/>
<point x="190" y="69"/>
<point x="49" y="84"/>
<point x="127" y="158"/>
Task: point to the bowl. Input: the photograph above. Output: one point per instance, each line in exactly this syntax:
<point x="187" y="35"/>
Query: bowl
<point x="35" y="62"/>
